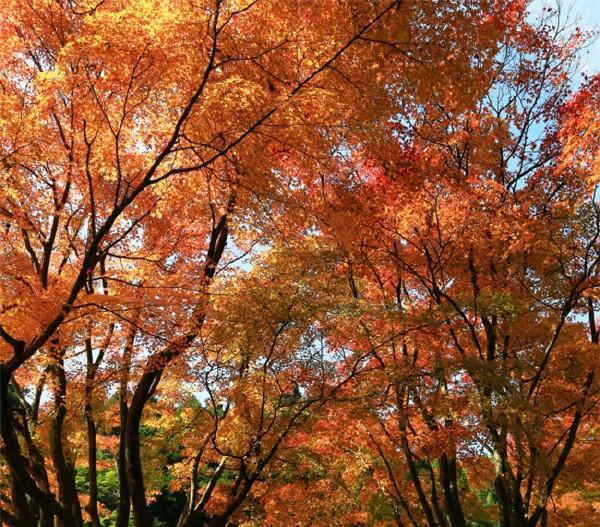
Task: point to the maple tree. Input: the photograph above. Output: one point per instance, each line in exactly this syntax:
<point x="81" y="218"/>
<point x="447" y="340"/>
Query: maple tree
<point x="296" y="263"/>
<point x="480" y="301"/>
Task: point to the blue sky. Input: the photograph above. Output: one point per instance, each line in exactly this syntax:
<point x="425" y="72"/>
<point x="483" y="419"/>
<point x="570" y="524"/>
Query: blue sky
<point x="588" y="11"/>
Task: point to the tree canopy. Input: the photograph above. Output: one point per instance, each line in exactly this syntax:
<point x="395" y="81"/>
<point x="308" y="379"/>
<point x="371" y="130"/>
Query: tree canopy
<point x="303" y="263"/>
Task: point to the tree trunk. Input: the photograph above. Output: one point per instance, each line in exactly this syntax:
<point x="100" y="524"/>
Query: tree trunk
<point x="23" y="482"/>
<point x="450" y="488"/>
<point x="124" y="495"/>
<point x="64" y="468"/>
<point x="92" y="507"/>
<point x="135" y="475"/>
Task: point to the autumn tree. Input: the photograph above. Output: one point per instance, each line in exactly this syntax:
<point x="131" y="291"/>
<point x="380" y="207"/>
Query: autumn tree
<point x="225" y="221"/>
<point x="478" y="286"/>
